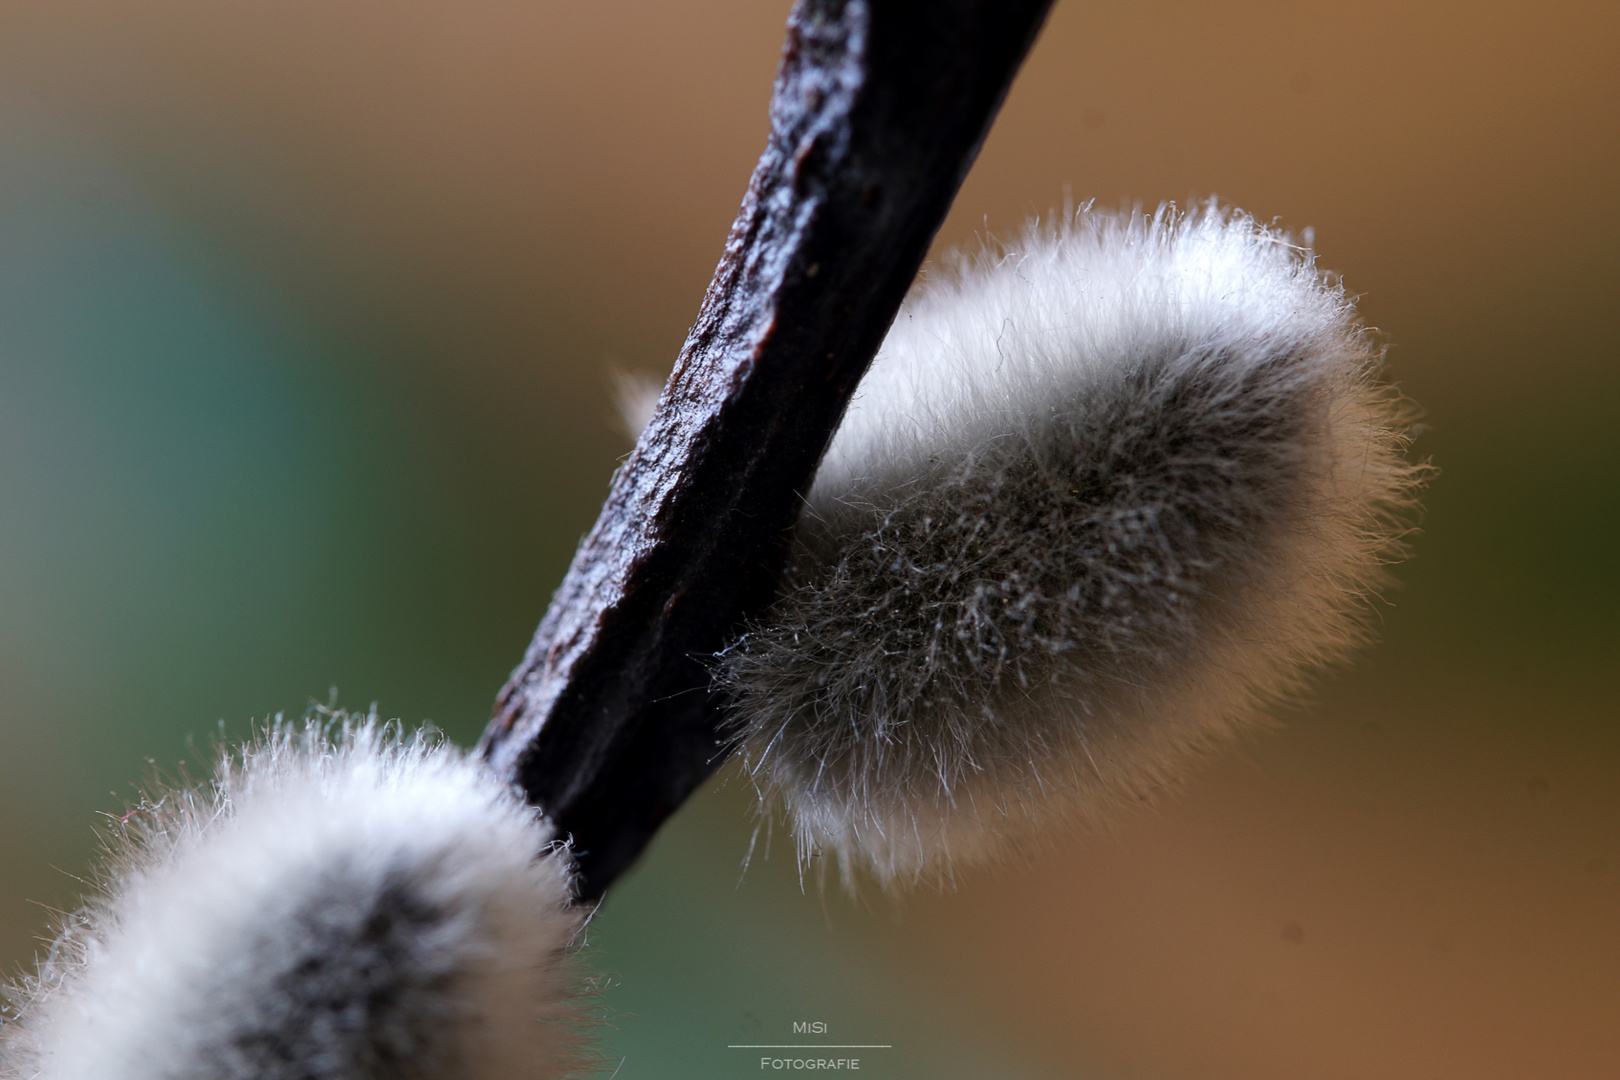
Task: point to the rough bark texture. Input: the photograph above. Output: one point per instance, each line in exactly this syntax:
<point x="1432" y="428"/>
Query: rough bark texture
<point x="879" y="108"/>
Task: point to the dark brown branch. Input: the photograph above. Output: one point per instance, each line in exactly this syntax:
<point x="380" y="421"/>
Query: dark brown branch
<point x="879" y="109"/>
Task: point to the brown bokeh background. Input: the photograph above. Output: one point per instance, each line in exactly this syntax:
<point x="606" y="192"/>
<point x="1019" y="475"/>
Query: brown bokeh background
<point x="306" y="316"/>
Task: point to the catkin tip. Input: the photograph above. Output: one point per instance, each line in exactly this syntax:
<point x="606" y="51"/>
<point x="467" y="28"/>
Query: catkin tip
<point x="339" y="900"/>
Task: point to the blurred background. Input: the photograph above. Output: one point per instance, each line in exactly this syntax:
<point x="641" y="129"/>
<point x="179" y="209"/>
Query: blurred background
<point x="308" y="312"/>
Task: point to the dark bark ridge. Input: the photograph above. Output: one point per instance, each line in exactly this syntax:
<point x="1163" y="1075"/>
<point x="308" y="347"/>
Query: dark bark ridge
<point x="879" y="109"/>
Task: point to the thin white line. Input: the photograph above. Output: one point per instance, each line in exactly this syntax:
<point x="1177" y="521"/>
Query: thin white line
<point x="810" y="1046"/>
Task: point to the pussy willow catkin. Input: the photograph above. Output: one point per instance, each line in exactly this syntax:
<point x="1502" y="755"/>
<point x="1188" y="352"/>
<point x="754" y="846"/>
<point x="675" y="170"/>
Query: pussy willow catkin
<point x="341" y="901"/>
<point x="1106" y="493"/>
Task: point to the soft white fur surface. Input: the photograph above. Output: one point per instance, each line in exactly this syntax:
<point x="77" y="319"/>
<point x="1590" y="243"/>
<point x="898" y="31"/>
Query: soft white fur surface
<point x="1106" y="493"/>
<point x="341" y="901"/>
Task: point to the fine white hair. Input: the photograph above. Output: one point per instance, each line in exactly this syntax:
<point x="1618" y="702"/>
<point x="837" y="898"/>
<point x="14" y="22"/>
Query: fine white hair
<point x="1104" y="495"/>
<point x="340" y="902"/>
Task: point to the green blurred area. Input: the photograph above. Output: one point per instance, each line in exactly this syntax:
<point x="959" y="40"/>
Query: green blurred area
<point x="244" y="462"/>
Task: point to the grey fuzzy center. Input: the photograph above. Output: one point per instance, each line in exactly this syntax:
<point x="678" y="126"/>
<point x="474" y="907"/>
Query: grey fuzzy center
<point x="1089" y="548"/>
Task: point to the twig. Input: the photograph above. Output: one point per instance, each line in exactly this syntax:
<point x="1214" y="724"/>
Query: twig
<point x="879" y="108"/>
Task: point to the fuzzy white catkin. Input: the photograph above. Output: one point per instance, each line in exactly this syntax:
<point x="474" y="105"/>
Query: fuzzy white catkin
<point x="340" y="903"/>
<point x="1104" y="495"/>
